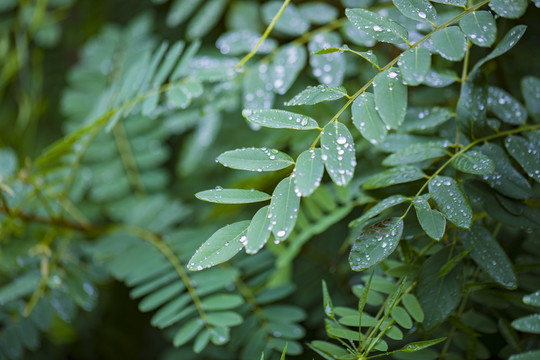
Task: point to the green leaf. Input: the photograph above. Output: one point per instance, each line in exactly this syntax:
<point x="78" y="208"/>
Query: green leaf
<point x="390" y="97"/>
<point x="532" y="299"/>
<point x="255" y="159"/>
<point x="201" y="341"/>
<point x="439" y="78"/>
<point x="290" y="22"/>
<point x="258" y="231"/>
<point x="480" y="28"/>
<point x="401" y="317"/>
<point x="450" y="43"/>
<point x="415" y="153"/>
<point x="8" y="162"/>
<point x="224" y="318"/>
<point x="474" y="162"/>
<point x="397" y="175"/>
<point x="530" y="88"/>
<point x="505" y="106"/>
<point x="505" y="178"/>
<point x="451" y="201"/>
<point x="180" y="11"/>
<point x="419" y="345"/>
<point x="338" y="154"/>
<point x="526" y="154"/>
<point x="438" y="296"/>
<point x="220" y="247"/>
<point x="284" y="313"/>
<point x="366" y="118"/>
<point x="414" y="65"/>
<point x="329" y="69"/>
<point x="530" y="355"/>
<point x="489" y="255"/>
<point x="511" y="9"/>
<point x="241" y="41"/>
<point x="188" y="332"/>
<point x="222" y="302"/>
<point x="528" y="324"/>
<point x="328" y="350"/>
<point x="205" y="19"/>
<point x="379" y="208"/>
<point x="318" y="13"/>
<point x="420" y="118"/>
<point x="232" y="196"/>
<point x="377" y="26"/>
<point x="420" y="10"/>
<point x="375" y="244"/>
<point x="316" y="94"/>
<point x="413" y="307"/>
<point x="273" y="118"/>
<point x="327" y="301"/>
<point x="283" y="209"/>
<point x="508" y="41"/>
<point x="451" y="2"/>
<point x="287" y="63"/>
<point x="256" y="95"/>
<point x="432" y="221"/>
<point x="308" y="172"/>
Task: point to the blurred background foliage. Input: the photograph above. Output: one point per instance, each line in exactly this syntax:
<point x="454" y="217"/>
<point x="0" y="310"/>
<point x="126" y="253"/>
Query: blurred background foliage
<point x="40" y="41"/>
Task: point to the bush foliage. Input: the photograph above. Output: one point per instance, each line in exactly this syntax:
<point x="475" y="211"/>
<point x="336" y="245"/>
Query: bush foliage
<point x="374" y="167"/>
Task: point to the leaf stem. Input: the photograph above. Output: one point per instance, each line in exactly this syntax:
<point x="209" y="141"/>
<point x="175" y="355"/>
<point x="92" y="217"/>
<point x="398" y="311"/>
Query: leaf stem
<point x="267" y="32"/>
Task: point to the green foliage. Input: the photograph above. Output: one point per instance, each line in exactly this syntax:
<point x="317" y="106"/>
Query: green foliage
<point x="344" y="117"/>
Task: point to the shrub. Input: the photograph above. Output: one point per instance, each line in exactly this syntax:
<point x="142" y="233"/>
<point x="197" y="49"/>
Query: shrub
<point x="376" y="177"/>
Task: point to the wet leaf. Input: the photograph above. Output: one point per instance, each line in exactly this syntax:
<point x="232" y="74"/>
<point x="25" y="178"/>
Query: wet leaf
<point x="528" y="324"/>
<point x="401" y="317"/>
<point x="432" y="221"/>
<point x="508" y="41"/>
<point x="273" y="118"/>
<point x="329" y="69"/>
<point x="505" y="106"/>
<point x="438" y="297"/>
<point x="451" y="201"/>
<point x="415" y="153"/>
<point x="379" y="208"/>
<point x="287" y="63"/>
<point x="489" y="255"/>
<point x="377" y="26"/>
<point x="308" y="172"/>
<point x="318" y="13"/>
<point x="375" y="244"/>
<point x="397" y="175"/>
<point x="316" y="94"/>
<point x="414" y="65"/>
<point x="474" y="162"/>
<point x="505" y="178"/>
<point x="258" y="231"/>
<point x="239" y="42"/>
<point x="450" y="43"/>
<point x="451" y="2"/>
<point x="480" y="28"/>
<point x="232" y="196"/>
<point x="338" y="154"/>
<point x="511" y="9"/>
<point x="526" y="154"/>
<point x="290" y="22"/>
<point x="532" y="299"/>
<point x="220" y="247"/>
<point x="420" y="118"/>
<point x="255" y="159"/>
<point x="366" y="118"/>
<point x="390" y="97"/>
<point x="419" y="345"/>
<point x="256" y="95"/>
<point x="420" y="10"/>
<point x="283" y="209"/>
<point x="530" y="87"/>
